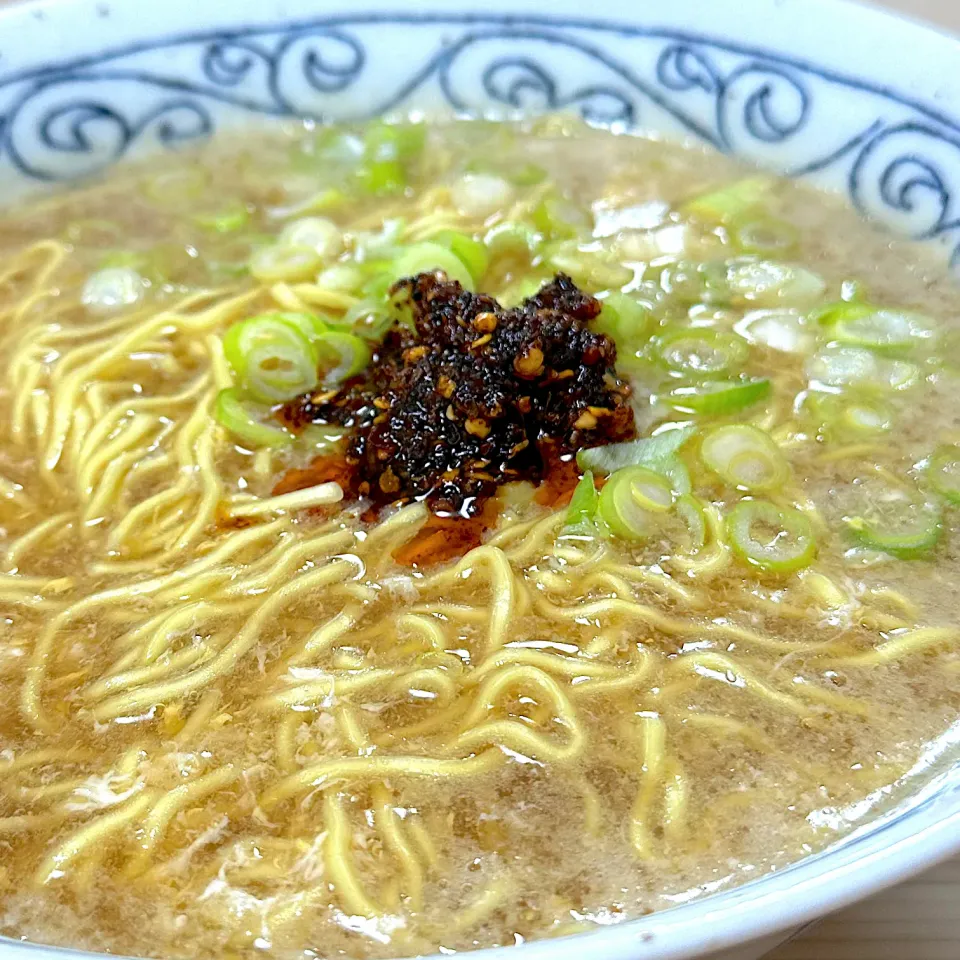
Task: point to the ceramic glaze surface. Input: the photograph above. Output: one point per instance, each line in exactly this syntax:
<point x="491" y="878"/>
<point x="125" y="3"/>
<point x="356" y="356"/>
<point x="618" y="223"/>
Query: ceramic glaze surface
<point x="815" y="89"/>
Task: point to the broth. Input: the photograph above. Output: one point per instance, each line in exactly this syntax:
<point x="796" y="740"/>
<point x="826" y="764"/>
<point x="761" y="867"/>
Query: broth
<point x="229" y="729"/>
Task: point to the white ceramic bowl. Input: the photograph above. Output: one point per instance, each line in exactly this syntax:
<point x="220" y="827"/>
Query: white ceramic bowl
<point x="850" y="98"/>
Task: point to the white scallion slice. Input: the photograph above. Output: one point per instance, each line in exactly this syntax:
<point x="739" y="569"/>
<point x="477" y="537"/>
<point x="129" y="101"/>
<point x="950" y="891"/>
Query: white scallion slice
<point x="839" y="365"/>
<point x="769" y="283"/>
<point x="745" y="457"/>
<point x="633" y="500"/>
<point x="883" y="330"/>
<point x="481" y="194"/>
<point x="898" y="521"/>
<point x="783" y="330"/>
<point x="944" y="472"/>
<point x="315" y="233"/>
<point x="112" y="289"/>
<point x="429" y="258"/>
<point x="775" y="539"/>
<point x="342" y="355"/>
<point x="280" y="264"/>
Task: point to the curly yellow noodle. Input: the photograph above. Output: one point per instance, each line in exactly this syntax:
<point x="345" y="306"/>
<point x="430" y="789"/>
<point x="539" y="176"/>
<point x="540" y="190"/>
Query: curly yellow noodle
<point x="199" y="719"/>
<point x="162" y="813"/>
<point x="28" y="822"/>
<point x="906" y="645"/>
<point x="94" y="834"/>
<point x="339" y="860"/>
<point x="651" y="775"/>
<point x="324" y="691"/>
<point x="716" y="666"/>
<point x="226" y="660"/>
<point x="328" y="772"/>
<point x="675" y="801"/>
<point x="475" y="913"/>
<point x="592" y="808"/>
<point x="51" y="528"/>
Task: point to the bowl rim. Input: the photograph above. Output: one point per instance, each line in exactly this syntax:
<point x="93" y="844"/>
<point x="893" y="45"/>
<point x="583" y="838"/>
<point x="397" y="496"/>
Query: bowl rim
<point x="915" y="836"/>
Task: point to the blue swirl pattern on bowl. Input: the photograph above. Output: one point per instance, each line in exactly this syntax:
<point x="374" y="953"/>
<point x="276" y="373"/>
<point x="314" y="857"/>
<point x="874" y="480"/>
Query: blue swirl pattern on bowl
<point x="897" y="159"/>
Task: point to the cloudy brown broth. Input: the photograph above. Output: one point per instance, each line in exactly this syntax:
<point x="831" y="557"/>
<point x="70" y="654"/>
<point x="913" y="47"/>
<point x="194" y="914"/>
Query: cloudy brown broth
<point x="227" y="733"/>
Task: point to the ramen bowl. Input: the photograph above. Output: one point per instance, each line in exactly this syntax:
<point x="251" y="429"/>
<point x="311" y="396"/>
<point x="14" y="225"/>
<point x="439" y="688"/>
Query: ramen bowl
<point x="848" y="98"/>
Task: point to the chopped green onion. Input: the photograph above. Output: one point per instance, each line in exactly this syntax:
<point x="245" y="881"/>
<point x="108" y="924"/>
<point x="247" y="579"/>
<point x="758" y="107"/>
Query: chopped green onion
<point x="831" y="313"/>
<point x="395" y="141"/>
<point x="316" y="436"/>
<point x="509" y="238"/>
<point x="471" y="252"/>
<point x="769" y="283"/>
<point x="633" y="501"/>
<point x="866" y="417"/>
<point x="784" y="330"/>
<point x="646" y="452"/>
<point x="112" y="289"/>
<point x="481" y="194"/>
<point x="154" y="267"/>
<point x="520" y="290"/>
<point x="943" y="472"/>
<point x="883" y="330"/>
<point x="330" y="146"/>
<point x="895" y="521"/>
<point x="765" y="236"/>
<point x="244" y="420"/>
<point x="691" y="512"/>
<point x="702" y="353"/>
<point x="382" y="178"/>
<point x="327" y="199"/>
<point x="278" y="264"/>
<point x="559" y="219"/>
<point x="730" y="202"/>
<point x="382" y="244"/>
<point x="839" y="365"/>
<point x="685" y="281"/>
<point x="593" y="268"/>
<point x="745" y="457"/>
<point x="371" y="319"/>
<point x="529" y="175"/>
<point x="231" y="256"/>
<point x="625" y="321"/>
<point x="428" y="258"/>
<point x="388" y="150"/>
<point x="234" y="217"/>
<point x="583" y="504"/>
<point x="853" y="291"/>
<point x="377" y="287"/>
<point x="852" y="416"/>
<point x="775" y="539"/>
<point x="341" y="277"/>
<point x="318" y="234"/>
<point x="718" y="396"/>
<point x="674" y="470"/>
<point x="272" y="358"/>
<point x="310" y="325"/>
<point x="342" y="356"/>
<point x="525" y="175"/>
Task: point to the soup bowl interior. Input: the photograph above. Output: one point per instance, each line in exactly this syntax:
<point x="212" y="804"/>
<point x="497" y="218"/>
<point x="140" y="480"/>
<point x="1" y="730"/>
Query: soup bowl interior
<point x="817" y="89"/>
